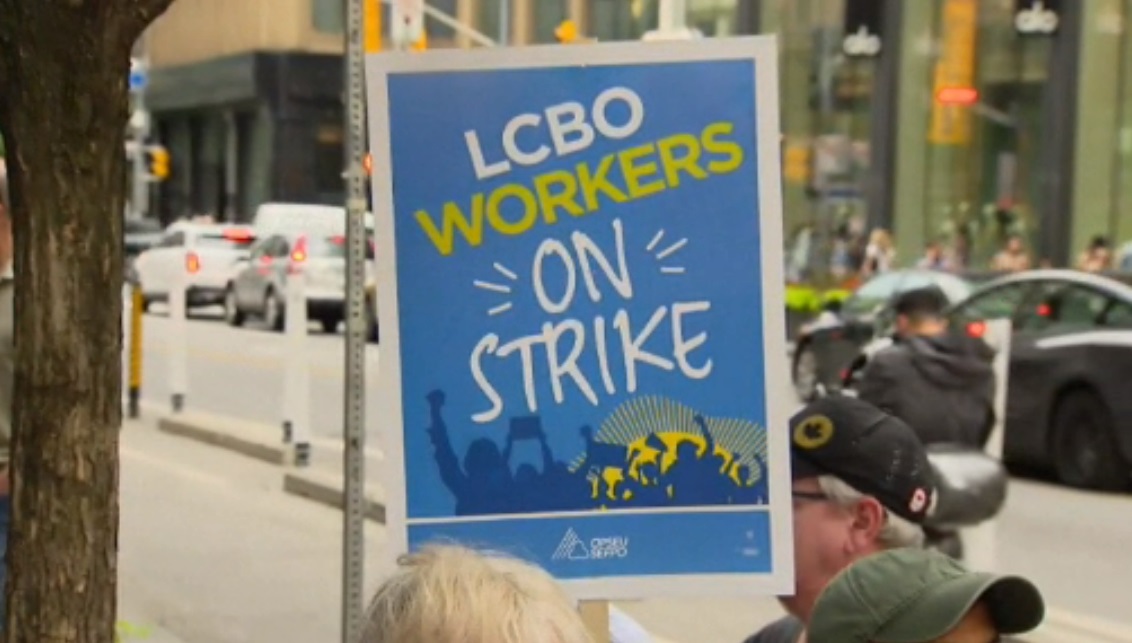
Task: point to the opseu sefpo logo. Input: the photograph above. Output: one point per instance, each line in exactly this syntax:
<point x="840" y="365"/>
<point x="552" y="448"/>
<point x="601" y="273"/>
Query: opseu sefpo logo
<point x="573" y="547"/>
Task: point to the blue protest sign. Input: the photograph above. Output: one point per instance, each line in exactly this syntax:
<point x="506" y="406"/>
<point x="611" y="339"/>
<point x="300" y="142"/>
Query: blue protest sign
<point x="580" y="290"/>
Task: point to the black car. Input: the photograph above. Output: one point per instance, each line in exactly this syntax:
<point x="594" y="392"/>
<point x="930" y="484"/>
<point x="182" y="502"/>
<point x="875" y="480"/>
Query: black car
<point x="827" y="345"/>
<point x="1069" y="392"/>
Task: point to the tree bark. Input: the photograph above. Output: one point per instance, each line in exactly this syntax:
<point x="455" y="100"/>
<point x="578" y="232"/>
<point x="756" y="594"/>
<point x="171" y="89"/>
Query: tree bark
<point x="63" y="114"/>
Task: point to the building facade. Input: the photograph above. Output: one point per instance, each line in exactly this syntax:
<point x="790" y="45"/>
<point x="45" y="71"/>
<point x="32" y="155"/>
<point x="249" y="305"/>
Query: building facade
<point x="959" y="121"/>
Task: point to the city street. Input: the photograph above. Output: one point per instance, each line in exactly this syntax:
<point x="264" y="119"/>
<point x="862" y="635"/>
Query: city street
<point x="238" y="372"/>
<point x="1071" y="543"/>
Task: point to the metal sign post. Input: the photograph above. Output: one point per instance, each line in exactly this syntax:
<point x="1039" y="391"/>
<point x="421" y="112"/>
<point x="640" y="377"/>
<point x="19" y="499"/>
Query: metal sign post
<point x="353" y="431"/>
<point x="140" y="122"/>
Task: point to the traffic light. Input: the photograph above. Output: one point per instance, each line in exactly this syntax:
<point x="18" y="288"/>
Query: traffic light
<point x="566" y="32"/>
<point x="157" y="159"/>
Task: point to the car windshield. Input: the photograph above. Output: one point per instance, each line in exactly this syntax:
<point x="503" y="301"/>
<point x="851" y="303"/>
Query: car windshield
<point x="880" y="290"/>
<point x="333" y="247"/>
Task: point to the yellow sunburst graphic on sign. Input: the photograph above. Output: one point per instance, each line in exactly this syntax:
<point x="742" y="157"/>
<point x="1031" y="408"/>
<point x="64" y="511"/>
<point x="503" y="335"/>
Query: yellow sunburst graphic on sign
<point x="653" y="429"/>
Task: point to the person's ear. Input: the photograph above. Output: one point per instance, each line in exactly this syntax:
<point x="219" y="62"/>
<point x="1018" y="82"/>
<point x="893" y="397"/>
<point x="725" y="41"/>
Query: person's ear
<point x="868" y="519"/>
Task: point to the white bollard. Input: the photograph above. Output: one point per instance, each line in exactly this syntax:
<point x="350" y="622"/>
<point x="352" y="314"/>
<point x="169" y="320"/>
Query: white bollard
<point x="296" y="385"/>
<point x="980" y="543"/>
<point x="178" y="340"/>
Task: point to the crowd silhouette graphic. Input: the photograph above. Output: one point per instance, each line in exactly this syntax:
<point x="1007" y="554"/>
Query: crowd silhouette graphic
<point x="679" y="466"/>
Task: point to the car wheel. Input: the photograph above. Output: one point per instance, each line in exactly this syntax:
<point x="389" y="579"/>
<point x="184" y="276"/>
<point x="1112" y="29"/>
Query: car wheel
<point x="805" y="373"/>
<point x="273" y="314"/>
<point x="1085" y="453"/>
<point x="232" y="313"/>
<point x="329" y="324"/>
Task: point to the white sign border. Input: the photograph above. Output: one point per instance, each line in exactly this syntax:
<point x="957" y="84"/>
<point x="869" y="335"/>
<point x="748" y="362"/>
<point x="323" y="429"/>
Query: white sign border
<point x="763" y="51"/>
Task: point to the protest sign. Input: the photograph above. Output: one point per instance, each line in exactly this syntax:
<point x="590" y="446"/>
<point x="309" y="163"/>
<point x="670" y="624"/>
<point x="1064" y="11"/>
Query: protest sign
<point x="580" y="291"/>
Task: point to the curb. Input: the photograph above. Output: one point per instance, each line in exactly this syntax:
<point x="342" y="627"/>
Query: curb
<point x="238" y="437"/>
<point x="326" y="489"/>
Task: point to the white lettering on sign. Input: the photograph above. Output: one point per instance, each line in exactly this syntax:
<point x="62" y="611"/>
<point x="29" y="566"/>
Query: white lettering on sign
<point x="569" y="129"/>
<point x="656" y="338"/>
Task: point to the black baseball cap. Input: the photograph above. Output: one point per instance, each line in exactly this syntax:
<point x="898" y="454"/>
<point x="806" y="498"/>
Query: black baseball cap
<point x="870" y="450"/>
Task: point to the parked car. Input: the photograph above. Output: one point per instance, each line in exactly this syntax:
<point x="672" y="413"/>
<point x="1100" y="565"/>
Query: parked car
<point x="198" y="255"/>
<point x="257" y="285"/>
<point x="825" y="346"/>
<point x="1068" y="403"/>
<point x="139" y="235"/>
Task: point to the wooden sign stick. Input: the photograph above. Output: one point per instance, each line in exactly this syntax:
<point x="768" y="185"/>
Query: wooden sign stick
<point x="595" y="614"/>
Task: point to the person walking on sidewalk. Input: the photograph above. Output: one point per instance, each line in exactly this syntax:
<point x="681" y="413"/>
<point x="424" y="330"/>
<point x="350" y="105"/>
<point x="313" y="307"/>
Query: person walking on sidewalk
<point x="862" y="484"/>
<point x="7" y="375"/>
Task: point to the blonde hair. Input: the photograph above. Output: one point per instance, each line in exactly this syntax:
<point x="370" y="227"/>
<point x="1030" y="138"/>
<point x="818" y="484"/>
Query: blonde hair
<point x="881" y="238"/>
<point x="451" y="594"/>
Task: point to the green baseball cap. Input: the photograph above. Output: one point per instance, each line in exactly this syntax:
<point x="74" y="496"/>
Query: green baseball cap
<point x="912" y="595"/>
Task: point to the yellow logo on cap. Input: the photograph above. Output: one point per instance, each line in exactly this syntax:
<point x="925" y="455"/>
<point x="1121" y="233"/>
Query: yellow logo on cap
<point x="813" y="432"/>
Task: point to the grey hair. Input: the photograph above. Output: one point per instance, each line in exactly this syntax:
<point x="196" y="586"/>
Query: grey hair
<point x="897" y="531"/>
<point x="450" y="594"/>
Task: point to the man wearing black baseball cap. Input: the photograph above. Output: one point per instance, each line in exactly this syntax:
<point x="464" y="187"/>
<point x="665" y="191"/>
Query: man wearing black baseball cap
<point x="861" y="484"/>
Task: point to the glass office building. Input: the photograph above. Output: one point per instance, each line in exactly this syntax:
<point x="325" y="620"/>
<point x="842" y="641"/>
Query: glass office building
<point x="971" y="121"/>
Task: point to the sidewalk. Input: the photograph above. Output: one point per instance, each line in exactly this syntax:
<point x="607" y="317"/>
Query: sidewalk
<point x="139" y="625"/>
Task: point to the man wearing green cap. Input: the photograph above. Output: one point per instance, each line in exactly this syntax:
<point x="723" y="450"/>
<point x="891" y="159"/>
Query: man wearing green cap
<point x="922" y="596"/>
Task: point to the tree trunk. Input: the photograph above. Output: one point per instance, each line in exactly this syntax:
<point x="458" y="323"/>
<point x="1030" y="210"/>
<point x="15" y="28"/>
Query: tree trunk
<point x="63" y="114"/>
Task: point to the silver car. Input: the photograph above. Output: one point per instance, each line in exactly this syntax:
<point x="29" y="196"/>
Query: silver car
<point x="258" y="284"/>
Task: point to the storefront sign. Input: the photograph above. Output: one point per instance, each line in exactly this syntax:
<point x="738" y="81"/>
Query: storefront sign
<point x="1037" y="17"/>
<point x="951" y="122"/>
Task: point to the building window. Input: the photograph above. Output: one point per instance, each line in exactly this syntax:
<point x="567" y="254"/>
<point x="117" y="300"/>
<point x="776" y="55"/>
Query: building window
<point x="328" y="16"/>
<point x="623" y="19"/>
<point x="329" y="157"/>
<point x="548" y="15"/>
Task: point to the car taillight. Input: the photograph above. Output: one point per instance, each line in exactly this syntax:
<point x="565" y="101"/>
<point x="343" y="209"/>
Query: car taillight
<point x="299" y="253"/>
<point x="239" y="235"/>
<point x="977" y="329"/>
<point x="192" y="263"/>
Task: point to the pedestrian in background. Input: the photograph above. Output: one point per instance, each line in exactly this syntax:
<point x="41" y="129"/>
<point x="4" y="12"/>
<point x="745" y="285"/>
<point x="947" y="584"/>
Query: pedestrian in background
<point x="880" y="254"/>
<point x="922" y="596"/>
<point x="862" y="484"/>
<point x="1097" y="257"/>
<point x="7" y="376"/>
<point x="1013" y="257"/>
<point x="450" y="594"/>
<point x="938" y="381"/>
